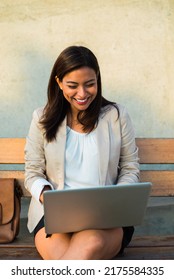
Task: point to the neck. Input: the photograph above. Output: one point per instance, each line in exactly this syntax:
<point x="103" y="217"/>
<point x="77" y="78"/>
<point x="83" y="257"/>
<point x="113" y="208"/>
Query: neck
<point x="73" y="122"/>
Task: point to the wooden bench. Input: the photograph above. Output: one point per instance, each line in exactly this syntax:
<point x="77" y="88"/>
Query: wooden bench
<point x="154" y="154"/>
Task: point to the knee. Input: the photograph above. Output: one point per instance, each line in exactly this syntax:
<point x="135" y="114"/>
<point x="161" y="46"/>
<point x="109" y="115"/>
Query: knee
<point x="95" y="245"/>
<point x="104" y="245"/>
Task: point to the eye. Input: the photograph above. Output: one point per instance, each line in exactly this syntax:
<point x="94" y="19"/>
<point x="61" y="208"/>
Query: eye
<point x="72" y="87"/>
<point x="90" y="85"/>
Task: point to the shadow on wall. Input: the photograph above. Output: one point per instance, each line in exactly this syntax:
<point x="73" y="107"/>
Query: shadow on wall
<point x="26" y="92"/>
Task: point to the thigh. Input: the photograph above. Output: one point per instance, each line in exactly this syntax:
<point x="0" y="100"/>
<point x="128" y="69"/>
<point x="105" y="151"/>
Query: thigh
<point x="53" y="247"/>
<point x="104" y="244"/>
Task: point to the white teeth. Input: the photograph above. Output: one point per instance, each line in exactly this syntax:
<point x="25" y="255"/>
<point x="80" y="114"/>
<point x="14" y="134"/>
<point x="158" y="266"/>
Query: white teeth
<point x="81" y="100"/>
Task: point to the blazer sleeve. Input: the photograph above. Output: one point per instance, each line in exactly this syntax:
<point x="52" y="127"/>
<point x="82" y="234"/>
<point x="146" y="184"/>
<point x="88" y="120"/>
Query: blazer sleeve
<point x="129" y="161"/>
<point x="35" y="167"/>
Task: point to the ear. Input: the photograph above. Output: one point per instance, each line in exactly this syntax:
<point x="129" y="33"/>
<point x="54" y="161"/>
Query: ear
<point x="59" y="82"/>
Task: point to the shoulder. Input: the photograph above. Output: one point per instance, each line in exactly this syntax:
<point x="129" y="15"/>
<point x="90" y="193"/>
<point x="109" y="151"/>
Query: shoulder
<point x="123" y="112"/>
<point x="114" y="112"/>
<point x="38" y="113"/>
<point x="36" y="118"/>
<point x="116" y="115"/>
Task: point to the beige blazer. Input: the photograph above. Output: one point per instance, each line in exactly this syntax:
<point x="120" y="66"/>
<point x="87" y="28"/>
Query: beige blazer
<point x="118" y="162"/>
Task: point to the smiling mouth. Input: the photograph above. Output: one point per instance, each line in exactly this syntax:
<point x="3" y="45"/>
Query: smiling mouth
<point x="81" y="101"/>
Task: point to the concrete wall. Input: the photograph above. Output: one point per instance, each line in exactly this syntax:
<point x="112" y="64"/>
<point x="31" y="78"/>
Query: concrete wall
<point x="134" y="43"/>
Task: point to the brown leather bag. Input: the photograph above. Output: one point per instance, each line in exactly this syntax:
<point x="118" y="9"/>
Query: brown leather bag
<point x="10" y="206"/>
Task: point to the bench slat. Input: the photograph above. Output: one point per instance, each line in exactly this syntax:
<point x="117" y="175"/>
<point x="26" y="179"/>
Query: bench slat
<point x="151" y="150"/>
<point x="163" y="181"/>
<point x="12" y="150"/>
<point x="152" y="241"/>
<point x="136" y="253"/>
<point x="156" y="150"/>
<point x="24" y="253"/>
<point x="149" y="253"/>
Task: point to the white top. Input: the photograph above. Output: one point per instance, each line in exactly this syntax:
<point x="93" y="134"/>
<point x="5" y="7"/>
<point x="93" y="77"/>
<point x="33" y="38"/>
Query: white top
<point x="81" y="163"/>
<point x="81" y="160"/>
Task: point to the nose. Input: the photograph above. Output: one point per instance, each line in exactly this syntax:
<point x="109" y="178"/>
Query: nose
<point x="82" y="92"/>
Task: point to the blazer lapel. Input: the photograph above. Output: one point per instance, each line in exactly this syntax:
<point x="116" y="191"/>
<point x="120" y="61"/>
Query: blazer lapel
<point x="103" y="148"/>
<point x="59" y="148"/>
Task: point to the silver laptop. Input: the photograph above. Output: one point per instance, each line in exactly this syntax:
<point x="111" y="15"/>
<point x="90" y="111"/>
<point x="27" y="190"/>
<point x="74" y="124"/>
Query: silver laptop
<point x="95" y="208"/>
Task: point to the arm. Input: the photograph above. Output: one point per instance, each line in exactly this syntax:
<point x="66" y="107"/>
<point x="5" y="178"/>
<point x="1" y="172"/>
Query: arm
<point x="129" y="161"/>
<point x="35" y="167"/>
<point x="46" y="188"/>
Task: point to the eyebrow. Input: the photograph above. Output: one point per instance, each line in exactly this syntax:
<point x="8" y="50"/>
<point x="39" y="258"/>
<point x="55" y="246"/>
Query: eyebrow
<point x="75" y="83"/>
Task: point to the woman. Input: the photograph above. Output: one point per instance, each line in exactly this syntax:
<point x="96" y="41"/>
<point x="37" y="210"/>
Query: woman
<point x="78" y="139"/>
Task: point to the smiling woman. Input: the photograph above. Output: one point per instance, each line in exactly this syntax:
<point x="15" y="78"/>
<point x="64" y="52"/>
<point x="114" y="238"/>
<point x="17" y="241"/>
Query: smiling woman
<point x="79" y="88"/>
<point x="75" y="77"/>
<point x="79" y="139"/>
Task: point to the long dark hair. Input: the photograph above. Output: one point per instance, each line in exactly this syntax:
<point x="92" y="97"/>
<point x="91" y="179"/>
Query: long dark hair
<point x="70" y="59"/>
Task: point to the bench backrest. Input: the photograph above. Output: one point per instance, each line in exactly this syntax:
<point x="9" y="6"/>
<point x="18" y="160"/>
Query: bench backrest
<point x="156" y="159"/>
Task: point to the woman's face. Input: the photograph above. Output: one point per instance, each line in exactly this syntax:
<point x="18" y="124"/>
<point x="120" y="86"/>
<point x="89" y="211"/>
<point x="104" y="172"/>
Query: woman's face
<point x="79" y="88"/>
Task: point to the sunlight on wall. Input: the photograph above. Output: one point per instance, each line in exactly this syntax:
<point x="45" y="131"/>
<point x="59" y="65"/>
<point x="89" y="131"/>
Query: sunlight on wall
<point x="133" y="41"/>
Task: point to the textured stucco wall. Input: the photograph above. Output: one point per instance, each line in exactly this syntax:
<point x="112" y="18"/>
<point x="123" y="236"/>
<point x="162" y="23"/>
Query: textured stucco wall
<point x="134" y="43"/>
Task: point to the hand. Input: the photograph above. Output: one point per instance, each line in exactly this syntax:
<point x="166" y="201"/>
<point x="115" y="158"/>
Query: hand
<point x="46" y="188"/>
